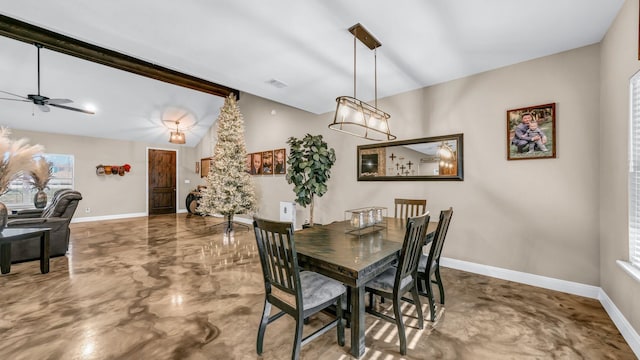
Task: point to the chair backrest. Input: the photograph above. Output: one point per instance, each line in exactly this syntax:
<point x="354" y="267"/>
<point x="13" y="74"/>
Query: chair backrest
<point x="63" y="205"/>
<point x="278" y="257"/>
<point x="405" y="208"/>
<point x="411" y="248"/>
<point x="438" y="238"/>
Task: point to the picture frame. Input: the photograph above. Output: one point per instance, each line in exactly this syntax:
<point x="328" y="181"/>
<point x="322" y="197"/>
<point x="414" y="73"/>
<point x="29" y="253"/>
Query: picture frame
<point x="205" y="165"/>
<point x="531" y="132"/>
<point x="256" y="163"/>
<point x="280" y="161"/>
<point x="267" y="162"/>
<point x="248" y="164"/>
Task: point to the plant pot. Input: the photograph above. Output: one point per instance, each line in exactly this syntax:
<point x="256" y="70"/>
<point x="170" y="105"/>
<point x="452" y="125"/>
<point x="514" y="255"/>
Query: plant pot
<point x="40" y="199"/>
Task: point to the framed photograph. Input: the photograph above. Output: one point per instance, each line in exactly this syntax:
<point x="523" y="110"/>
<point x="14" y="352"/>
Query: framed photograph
<point x="256" y="164"/>
<point x="205" y="165"/>
<point x="531" y="132"/>
<point x="267" y="162"/>
<point x="248" y="164"/>
<point x="280" y="161"/>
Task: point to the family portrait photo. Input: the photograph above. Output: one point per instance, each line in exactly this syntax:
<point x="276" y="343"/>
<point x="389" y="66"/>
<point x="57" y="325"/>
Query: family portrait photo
<point x="531" y="132"/>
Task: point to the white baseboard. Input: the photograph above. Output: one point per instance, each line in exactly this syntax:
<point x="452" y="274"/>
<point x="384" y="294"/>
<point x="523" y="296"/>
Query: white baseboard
<point x="628" y="332"/>
<point x="107" y="217"/>
<point x="181" y="211"/>
<point x="570" y="287"/>
<point x="243" y="220"/>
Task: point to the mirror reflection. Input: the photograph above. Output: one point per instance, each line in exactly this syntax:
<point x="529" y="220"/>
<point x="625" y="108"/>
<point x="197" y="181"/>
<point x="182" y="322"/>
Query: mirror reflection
<point x="433" y="158"/>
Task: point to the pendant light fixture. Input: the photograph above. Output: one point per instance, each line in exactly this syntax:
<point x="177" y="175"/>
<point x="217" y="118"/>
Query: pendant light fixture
<point x="355" y="117"/>
<point x="177" y="137"/>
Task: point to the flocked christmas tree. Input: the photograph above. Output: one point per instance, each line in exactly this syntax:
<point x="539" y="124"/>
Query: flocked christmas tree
<point x="229" y="188"/>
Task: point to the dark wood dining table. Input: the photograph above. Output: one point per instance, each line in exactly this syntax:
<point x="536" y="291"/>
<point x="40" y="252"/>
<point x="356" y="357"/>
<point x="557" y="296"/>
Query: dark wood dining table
<point x="353" y="259"/>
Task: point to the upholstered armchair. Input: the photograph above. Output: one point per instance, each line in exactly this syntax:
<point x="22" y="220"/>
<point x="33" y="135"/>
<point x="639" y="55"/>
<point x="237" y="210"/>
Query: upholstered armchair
<point x="56" y="216"/>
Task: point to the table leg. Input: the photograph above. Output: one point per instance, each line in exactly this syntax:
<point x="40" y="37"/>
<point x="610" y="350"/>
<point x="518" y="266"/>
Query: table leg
<point x="44" y="252"/>
<point x="357" y="321"/>
<point x="5" y="258"/>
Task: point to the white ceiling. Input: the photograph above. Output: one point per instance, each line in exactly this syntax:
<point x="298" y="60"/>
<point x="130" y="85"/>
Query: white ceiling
<point x="245" y="44"/>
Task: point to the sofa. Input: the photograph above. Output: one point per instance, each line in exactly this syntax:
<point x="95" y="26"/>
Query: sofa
<point x="57" y="216"/>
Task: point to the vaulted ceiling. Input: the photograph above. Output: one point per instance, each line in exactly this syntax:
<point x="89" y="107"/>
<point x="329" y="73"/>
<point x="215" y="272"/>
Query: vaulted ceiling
<point x="248" y="44"/>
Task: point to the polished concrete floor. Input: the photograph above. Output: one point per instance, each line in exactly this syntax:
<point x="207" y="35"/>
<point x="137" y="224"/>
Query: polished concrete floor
<point x="174" y="287"/>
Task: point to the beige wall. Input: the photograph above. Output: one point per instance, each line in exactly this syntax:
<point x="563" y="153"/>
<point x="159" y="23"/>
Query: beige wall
<point x="619" y="61"/>
<point x="535" y="216"/>
<point x="113" y="195"/>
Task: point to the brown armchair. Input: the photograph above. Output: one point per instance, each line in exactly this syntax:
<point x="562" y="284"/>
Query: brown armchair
<point x="57" y="217"/>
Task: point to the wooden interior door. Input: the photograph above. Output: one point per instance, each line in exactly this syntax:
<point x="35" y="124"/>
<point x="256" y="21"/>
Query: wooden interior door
<point x="162" y="182"/>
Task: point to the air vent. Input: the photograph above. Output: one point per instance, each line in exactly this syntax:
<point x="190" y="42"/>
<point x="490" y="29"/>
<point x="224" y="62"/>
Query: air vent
<point x="277" y="83"/>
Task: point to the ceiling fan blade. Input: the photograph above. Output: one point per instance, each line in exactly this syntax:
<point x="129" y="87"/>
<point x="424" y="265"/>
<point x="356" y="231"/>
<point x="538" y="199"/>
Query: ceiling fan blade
<point x="72" y="108"/>
<point x="16" y="95"/>
<point x="25" y="100"/>
<point x="58" y="101"/>
<point x="43" y="108"/>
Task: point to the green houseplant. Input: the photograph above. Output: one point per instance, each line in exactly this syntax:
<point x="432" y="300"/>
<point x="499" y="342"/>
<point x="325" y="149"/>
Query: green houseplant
<point x="310" y="161"/>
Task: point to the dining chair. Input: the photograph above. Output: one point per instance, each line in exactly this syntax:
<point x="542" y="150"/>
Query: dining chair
<point x="298" y="293"/>
<point x="405" y="208"/>
<point x="429" y="265"/>
<point x="397" y="281"/>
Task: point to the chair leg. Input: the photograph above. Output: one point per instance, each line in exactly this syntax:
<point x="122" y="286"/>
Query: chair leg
<point x="416" y="300"/>
<point x="372" y="301"/>
<point x="401" y="334"/>
<point x="340" y="323"/>
<point x="297" y="342"/>
<point x="263" y="325"/>
<point x="432" y="303"/>
<point x="440" y="286"/>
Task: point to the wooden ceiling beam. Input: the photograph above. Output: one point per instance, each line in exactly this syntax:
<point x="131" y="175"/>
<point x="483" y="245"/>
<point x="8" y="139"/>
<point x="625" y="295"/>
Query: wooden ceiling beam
<point x="32" y="34"/>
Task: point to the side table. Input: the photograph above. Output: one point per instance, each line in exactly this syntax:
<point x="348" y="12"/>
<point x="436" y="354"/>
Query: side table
<point x="9" y="235"/>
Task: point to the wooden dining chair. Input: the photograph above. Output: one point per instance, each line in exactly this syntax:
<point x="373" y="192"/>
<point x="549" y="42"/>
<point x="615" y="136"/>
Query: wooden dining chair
<point x="397" y="281"/>
<point x="298" y="293"/>
<point x="405" y="208"/>
<point x="429" y="265"/>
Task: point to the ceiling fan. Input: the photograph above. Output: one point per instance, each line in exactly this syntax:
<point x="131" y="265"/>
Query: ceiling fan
<point x="41" y="101"/>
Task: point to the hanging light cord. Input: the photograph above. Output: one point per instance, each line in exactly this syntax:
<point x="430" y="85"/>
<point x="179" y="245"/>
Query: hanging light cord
<point x="375" y="75"/>
<point x="354" y="67"/>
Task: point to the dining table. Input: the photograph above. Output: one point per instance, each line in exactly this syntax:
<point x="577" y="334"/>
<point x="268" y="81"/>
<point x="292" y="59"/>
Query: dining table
<point x="353" y="258"/>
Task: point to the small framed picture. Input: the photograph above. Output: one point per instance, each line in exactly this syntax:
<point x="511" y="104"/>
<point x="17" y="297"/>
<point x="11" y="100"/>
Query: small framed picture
<point x="280" y="161"/>
<point x="205" y="165"/>
<point x="531" y="132"/>
<point x="256" y="164"/>
<point x="267" y="162"/>
<point x="248" y="164"/>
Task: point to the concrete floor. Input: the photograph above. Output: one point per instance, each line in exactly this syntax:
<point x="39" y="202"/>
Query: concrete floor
<point x="174" y="287"/>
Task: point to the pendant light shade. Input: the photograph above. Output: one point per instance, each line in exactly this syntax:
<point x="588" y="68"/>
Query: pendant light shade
<point x="355" y="117"/>
<point x="177" y="137"/>
<point x="358" y="118"/>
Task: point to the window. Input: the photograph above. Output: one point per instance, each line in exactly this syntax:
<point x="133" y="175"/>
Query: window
<point x="20" y="194"/>
<point x="634" y="172"/>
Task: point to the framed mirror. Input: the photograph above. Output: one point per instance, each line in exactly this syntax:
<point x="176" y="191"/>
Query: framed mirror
<point x="431" y="158"/>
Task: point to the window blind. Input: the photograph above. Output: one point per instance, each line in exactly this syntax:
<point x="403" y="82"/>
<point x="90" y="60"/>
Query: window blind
<point x="634" y="172"/>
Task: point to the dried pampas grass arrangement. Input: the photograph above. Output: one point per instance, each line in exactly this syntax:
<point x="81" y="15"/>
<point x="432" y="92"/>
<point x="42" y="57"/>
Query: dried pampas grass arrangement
<point x="16" y="158"/>
<point x="41" y="173"/>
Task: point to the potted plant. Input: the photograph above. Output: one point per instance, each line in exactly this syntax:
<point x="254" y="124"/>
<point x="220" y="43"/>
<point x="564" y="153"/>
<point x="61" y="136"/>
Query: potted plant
<point x="41" y="174"/>
<point x="310" y="161"/>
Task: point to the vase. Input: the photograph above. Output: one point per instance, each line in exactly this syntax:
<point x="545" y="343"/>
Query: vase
<point x="4" y="216"/>
<point x="40" y="199"/>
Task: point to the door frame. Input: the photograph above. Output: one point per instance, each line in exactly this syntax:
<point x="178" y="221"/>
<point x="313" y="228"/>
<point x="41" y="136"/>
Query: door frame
<point x="146" y="156"/>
